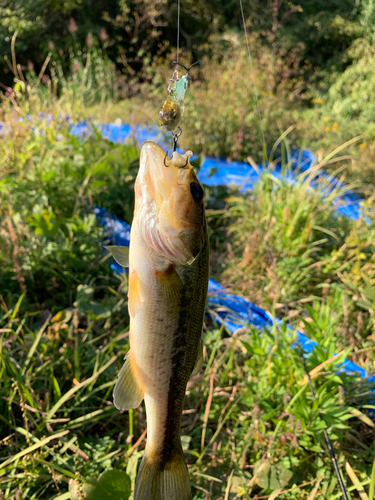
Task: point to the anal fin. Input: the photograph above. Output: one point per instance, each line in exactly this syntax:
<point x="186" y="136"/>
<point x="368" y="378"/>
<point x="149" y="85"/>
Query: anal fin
<point x="127" y="394"/>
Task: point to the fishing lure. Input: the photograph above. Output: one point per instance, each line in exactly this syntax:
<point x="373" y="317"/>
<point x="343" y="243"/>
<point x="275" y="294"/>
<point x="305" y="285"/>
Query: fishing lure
<point x="171" y="113"/>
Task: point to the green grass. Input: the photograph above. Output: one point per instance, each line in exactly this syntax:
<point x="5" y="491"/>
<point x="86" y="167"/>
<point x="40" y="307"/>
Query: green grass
<point x="251" y="428"/>
<point x="251" y="406"/>
<point x="221" y="117"/>
<point x="286" y="248"/>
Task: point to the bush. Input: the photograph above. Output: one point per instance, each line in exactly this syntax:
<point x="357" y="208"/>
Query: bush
<point x="50" y="242"/>
<point x="285" y="246"/>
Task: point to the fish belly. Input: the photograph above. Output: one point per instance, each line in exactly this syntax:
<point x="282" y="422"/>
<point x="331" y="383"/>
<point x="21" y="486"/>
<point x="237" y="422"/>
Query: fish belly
<point x="162" y="357"/>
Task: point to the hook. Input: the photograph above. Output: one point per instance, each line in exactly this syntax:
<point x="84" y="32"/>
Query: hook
<point x="175" y="62"/>
<point x="175" y="140"/>
<point x="187" y="69"/>
<point x="186" y="164"/>
<point x="165" y="157"/>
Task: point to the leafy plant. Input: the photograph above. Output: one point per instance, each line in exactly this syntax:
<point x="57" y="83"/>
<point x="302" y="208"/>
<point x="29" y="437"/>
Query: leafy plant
<point x="251" y="428"/>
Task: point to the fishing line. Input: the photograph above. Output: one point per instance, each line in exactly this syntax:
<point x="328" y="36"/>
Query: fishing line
<point x="178" y="29"/>
<point x="253" y="76"/>
<point x="328" y="441"/>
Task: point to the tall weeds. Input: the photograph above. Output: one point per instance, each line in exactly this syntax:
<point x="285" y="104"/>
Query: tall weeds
<point x="287" y="246"/>
<point x="250" y="426"/>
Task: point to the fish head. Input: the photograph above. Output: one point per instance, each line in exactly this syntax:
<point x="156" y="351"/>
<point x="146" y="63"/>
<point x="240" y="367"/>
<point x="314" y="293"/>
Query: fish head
<point x="169" y="208"/>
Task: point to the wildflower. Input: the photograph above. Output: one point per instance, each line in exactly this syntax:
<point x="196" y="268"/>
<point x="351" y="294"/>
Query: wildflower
<point x="103" y="35"/>
<point x="72" y="26"/>
<point x="89" y="40"/>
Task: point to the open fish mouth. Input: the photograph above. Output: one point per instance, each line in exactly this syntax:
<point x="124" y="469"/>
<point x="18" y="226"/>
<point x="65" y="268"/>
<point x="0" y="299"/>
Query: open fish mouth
<point x="168" y="212"/>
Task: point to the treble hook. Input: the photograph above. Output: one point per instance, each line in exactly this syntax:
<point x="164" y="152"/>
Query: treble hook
<point x="188" y="77"/>
<point x="187" y="161"/>
<point x="165" y="157"/>
<point x="175" y="140"/>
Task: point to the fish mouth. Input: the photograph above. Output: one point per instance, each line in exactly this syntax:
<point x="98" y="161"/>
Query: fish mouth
<point x="164" y="173"/>
<point x="153" y="169"/>
<point x="165" y="210"/>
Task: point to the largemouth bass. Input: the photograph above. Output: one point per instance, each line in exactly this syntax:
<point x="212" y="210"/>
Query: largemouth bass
<point x="168" y="282"/>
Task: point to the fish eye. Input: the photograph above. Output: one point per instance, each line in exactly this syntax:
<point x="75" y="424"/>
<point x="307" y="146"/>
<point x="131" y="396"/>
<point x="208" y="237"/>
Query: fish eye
<point x="196" y="191"/>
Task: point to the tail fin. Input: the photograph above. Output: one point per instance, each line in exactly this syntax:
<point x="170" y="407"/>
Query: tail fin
<point x="158" y="481"/>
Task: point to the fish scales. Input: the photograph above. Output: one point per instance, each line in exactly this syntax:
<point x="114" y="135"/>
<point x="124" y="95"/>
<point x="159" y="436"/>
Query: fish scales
<point x="168" y="283"/>
<point x="186" y="343"/>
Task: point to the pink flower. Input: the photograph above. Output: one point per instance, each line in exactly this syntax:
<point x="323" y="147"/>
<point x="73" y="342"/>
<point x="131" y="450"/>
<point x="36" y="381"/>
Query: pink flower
<point x="72" y="25"/>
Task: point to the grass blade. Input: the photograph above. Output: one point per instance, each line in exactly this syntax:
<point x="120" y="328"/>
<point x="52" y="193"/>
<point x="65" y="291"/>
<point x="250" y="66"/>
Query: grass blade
<point x="316" y="371"/>
<point x="76" y="388"/>
<point x="354" y="478"/>
<point x="365" y="419"/>
<point x="64" y="496"/>
<point x="28" y="450"/>
<point x="315" y="490"/>
<point x="372" y="483"/>
<point x="34" y="346"/>
<point x="16" y="307"/>
<point x="207" y="411"/>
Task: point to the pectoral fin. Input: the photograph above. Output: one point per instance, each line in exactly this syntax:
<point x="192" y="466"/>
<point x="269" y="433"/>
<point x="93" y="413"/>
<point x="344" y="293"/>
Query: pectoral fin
<point x="127" y="393"/>
<point x="120" y="254"/>
<point x="199" y="361"/>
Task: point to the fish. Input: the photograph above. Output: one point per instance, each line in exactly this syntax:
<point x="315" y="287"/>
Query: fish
<point x="172" y="111"/>
<point x="168" y="262"/>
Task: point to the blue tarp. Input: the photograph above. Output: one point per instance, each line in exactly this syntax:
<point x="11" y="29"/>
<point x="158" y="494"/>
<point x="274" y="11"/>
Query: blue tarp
<point x="234" y="311"/>
<point x="219" y="171"/>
